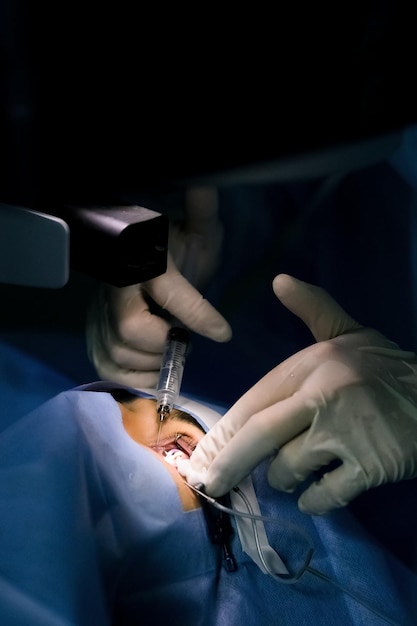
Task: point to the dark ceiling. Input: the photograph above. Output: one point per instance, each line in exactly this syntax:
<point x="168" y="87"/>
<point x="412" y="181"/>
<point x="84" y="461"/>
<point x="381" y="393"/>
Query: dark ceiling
<point x="96" y="100"/>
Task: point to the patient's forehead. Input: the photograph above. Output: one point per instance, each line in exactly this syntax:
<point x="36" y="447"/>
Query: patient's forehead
<point x="142" y="421"/>
<point x="131" y="400"/>
<point x="140" y="404"/>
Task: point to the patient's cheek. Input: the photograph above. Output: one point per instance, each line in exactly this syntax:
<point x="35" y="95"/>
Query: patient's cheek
<point x="188" y="497"/>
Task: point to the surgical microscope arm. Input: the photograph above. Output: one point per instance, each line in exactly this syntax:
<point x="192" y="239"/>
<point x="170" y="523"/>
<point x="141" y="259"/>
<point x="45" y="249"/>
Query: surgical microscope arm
<point x="120" y="245"/>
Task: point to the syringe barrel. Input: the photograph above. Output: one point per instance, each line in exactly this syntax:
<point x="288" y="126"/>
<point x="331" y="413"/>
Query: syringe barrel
<point x="173" y="361"/>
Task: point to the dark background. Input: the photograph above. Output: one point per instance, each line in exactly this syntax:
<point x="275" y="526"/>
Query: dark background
<point x="126" y="100"/>
<point x="99" y="99"/>
<point x="102" y="102"/>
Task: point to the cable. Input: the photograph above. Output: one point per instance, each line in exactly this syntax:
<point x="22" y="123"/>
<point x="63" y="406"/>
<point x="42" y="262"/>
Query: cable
<point x="282" y="578"/>
<point x="353" y="595"/>
<point x="305" y="568"/>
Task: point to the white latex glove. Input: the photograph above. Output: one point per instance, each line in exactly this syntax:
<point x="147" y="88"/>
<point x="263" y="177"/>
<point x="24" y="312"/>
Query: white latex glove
<point x="125" y="341"/>
<point x="350" y="398"/>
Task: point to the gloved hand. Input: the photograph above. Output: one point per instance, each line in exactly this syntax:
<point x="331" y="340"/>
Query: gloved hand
<point x="349" y="400"/>
<point x="125" y="340"/>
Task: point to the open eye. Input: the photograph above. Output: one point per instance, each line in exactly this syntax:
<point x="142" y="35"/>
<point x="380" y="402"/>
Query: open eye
<point x="180" y="441"/>
<point x="183" y="449"/>
<point x="185" y="443"/>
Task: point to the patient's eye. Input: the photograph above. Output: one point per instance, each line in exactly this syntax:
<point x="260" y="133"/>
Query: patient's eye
<point x="183" y="449"/>
<point x="178" y="442"/>
<point x="186" y="443"/>
<point x="182" y="442"/>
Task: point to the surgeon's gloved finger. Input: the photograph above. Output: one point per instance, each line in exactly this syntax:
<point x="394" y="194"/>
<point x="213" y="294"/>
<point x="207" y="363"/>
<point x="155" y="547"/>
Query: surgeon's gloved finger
<point x="131" y="320"/>
<point x="191" y="476"/>
<point x="134" y="359"/>
<point x="335" y="490"/>
<point x="319" y="311"/>
<point x="259" y="438"/>
<point x="295" y="461"/>
<point x="276" y="386"/>
<point x="175" y="294"/>
<point x="219" y="436"/>
<point x="109" y="370"/>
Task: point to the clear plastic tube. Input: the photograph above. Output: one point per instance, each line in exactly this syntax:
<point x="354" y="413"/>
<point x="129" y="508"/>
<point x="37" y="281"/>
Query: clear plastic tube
<point x="170" y="376"/>
<point x="306" y="567"/>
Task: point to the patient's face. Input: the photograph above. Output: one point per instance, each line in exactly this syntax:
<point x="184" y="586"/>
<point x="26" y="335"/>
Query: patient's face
<point x="179" y="431"/>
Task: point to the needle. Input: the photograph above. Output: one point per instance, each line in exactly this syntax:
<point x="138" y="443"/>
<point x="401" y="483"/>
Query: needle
<point x="162" y="415"/>
<point x="159" y="434"/>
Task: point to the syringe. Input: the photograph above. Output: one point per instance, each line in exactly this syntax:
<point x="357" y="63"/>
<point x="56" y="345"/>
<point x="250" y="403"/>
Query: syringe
<point x="178" y="340"/>
<point x="170" y="376"/>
